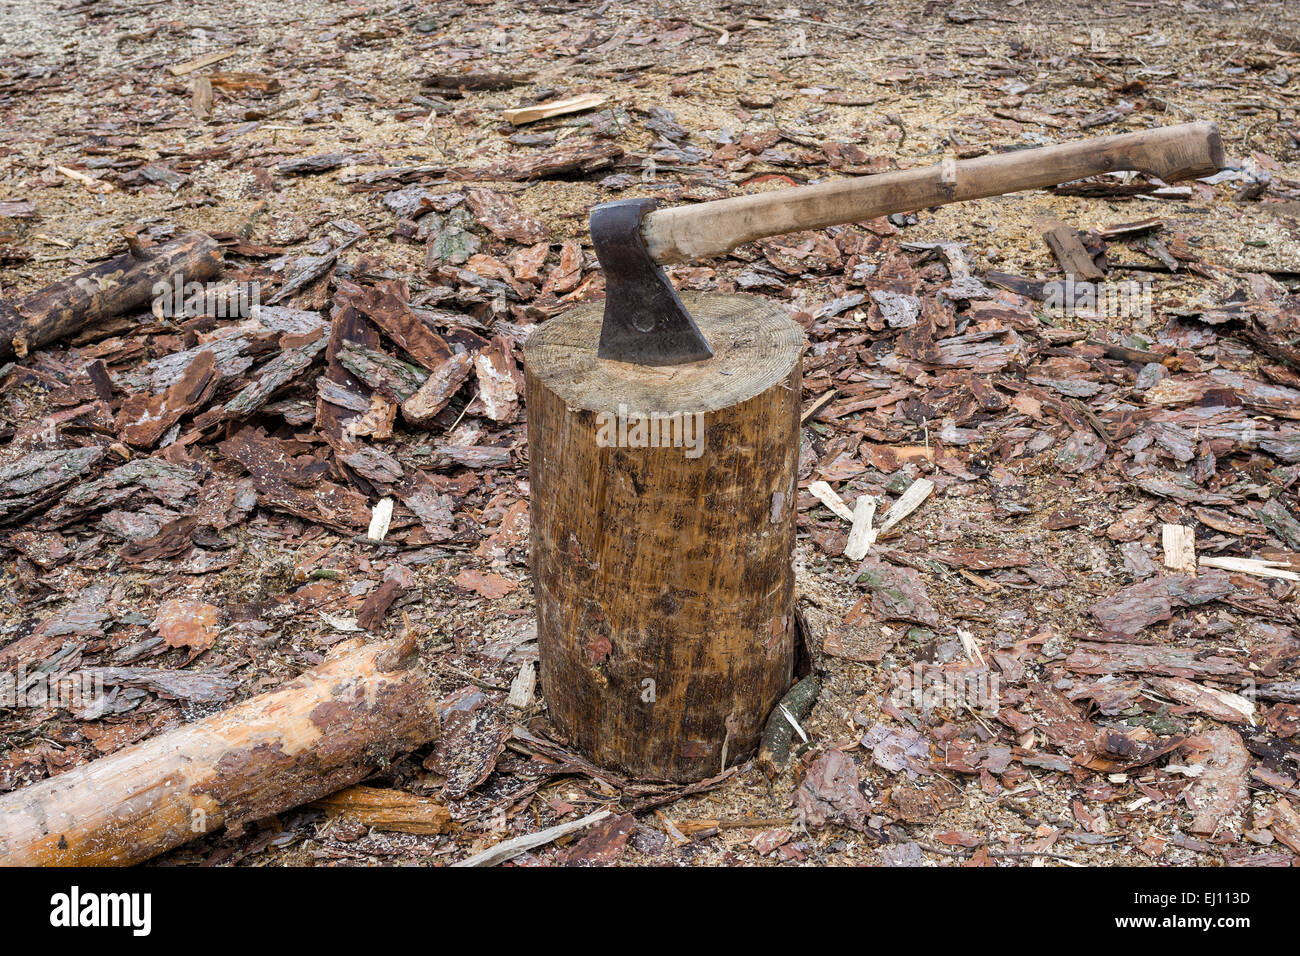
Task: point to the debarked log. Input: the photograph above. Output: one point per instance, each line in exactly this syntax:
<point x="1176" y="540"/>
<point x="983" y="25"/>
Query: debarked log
<point x="327" y="729"/>
<point x="110" y="288"/>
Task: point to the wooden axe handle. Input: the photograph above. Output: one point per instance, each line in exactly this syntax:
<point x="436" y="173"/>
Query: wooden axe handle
<point x="712" y="228"/>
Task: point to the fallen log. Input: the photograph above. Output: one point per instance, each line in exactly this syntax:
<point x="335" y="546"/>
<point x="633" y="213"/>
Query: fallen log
<point x="325" y="730"/>
<point x="103" y="291"/>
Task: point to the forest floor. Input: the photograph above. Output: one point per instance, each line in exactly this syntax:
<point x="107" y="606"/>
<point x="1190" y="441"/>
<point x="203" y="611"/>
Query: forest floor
<point x="1137" y="713"/>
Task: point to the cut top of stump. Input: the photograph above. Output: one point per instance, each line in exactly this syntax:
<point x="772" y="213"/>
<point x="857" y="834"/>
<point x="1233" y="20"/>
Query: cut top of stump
<point x="755" y="345"/>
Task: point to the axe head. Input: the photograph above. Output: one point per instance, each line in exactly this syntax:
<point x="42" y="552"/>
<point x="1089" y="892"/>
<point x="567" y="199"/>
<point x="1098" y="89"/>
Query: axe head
<point x="645" y="322"/>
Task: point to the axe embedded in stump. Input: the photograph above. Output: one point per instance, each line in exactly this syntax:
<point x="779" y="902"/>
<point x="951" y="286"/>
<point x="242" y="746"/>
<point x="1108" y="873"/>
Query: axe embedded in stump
<point x="664" y="436"/>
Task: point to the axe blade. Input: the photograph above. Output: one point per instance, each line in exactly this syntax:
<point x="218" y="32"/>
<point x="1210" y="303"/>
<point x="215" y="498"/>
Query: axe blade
<point x="645" y="322"/>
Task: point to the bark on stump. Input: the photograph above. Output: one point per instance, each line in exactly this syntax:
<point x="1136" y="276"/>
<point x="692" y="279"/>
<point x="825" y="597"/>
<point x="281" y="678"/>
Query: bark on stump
<point x="664" y="578"/>
<point x="325" y="730"/>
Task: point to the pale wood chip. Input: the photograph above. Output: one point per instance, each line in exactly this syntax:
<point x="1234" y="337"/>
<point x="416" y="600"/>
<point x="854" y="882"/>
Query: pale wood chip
<point x="912" y="499"/>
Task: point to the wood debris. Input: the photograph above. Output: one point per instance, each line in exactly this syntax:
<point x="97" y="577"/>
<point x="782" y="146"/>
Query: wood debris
<point x="1179" y="542"/>
<point x="861" y="535"/>
<point x="907" y="503"/>
<point x="386" y="810"/>
<point x="180" y="69"/>
<point x="1047" y="514"/>
<point x="572" y="104"/>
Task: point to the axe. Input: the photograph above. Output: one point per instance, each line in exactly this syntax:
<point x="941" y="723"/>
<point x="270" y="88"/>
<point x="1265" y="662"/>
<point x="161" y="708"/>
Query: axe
<point x="646" y="323"/>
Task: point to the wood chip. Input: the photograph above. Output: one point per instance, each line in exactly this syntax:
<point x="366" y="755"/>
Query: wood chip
<point x="180" y="69"/>
<point x="827" y="496"/>
<point x="380" y="518"/>
<point x="817" y="406"/>
<point x="1256" y="566"/>
<point x="501" y="216"/>
<point x="1219" y="704"/>
<point x="911" y="499"/>
<point x="1179" y="542"/>
<point x="432" y="397"/>
<point x="90" y="182"/>
<point x="1286" y="824"/>
<point x="862" y="535"/>
<point x="201" y="99"/>
<point x="573" y="104"/>
<point x="497" y="391"/>
<point x="191" y="624"/>
<point x="371" y="613"/>
<point x="387" y="309"/>
<point x="509" y="849"/>
<point x="1070" y="253"/>
<point x="523" y="687"/>
<point x="488" y="585"/>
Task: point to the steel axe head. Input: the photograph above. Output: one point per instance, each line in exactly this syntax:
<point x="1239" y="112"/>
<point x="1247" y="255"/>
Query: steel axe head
<point x="645" y="322"/>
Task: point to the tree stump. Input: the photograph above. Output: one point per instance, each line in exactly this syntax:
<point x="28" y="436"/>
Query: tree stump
<point x="662" y="528"/>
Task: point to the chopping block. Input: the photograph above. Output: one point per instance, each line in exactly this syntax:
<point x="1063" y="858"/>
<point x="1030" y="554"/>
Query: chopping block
<point x="664" y="444"/>
<point x="662" y="525"/>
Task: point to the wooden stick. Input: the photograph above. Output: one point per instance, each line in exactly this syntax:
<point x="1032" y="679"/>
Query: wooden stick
<point x="90" y="182"/>
<point x="321" y="732"/>
<point x="817" y="405"/>
<point x="774" y="748"/>
<point x="180" y="69"/>
<point x="573" y="104"/>
<point x="509" y="849"/>
<point x="827" y="495"/>
<point x="1256" y="566"/>
<point x="1070" y="252"/>
<point x="712" y="228"/>
<point x="108" y="289"/>
<point x="910" y="500"/>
